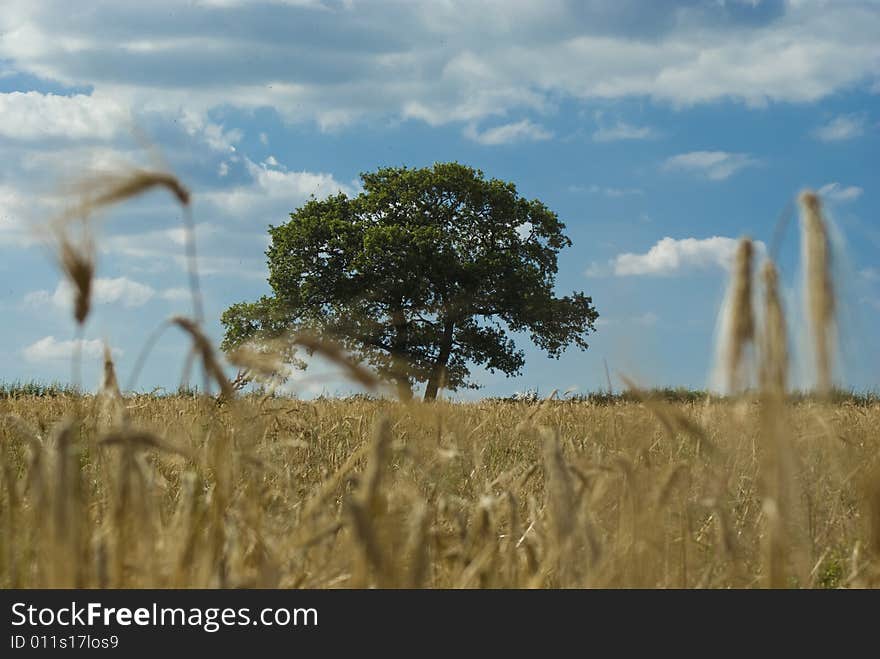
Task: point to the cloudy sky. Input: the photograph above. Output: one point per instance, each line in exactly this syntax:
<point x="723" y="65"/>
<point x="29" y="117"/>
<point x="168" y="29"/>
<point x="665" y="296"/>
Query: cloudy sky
<point x="659" y="132"/>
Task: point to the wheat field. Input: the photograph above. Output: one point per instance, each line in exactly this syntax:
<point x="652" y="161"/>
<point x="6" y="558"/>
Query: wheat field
<point x="271" y="492"/>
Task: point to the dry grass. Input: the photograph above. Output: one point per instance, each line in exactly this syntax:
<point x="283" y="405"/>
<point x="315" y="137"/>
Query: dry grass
<point x="274" y="492"/>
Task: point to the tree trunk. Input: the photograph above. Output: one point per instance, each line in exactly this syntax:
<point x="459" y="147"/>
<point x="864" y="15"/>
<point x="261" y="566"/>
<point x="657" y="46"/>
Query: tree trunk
<point x="404" y="388"/>
<point x="398" y="351"/>
<point x="438" y="375"/>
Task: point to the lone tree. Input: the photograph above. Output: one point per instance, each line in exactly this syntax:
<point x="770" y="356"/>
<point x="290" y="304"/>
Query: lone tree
<point x="423" y="274"/>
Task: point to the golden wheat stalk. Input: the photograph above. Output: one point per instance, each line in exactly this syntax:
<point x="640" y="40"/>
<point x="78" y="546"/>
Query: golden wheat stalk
<point x="142" y="440"/>
<point x="560" y="490"/>
<point x="371" y="494"/>
<point x="774" y="338"/>
<point x="76" y="259"/>
<point x="203" y="348"/>
<point x="741" y="322"/>
<point x="417" y="545"/>
<point x="262" y="364"/>
<point x="818" y="287"/>
<point x="111" y="408"/>
<point x="109" y="383"/>
<point x="110" y="188"/>
<point x="334" y="353"/>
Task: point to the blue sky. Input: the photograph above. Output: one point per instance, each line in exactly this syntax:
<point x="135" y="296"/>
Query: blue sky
<point x="659" y="132"/>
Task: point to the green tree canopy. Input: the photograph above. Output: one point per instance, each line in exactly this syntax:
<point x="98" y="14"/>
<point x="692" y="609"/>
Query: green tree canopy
<point x="422" y="275"/>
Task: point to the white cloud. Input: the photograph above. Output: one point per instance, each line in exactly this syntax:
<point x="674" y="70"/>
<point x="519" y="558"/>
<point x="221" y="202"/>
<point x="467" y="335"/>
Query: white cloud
<point x="122" y="290"/>
<point x="13" y="223"/>
<point x="264" y="139"/>
<point x="24" y="210"/>
<point x="623" y="131"/>
<point x="672" y="256"/>
<point x="212" y="134"/>
<point x="73" y="161"/>
<point x="273" y="193"/>
<point x="607" y="191"/>
<point x="443" y="61"/>
<point x="843" y="127"/>
<point x="51" y="349"/>
<point x="119" y="290"/>
<point x="870" y="274"/>
<point x="176" y="294"/>
<point x="32" y="115"/>
<point x="715" y="165"/>
<point x="220" y="251"/>
<point x="153" y="243"/>
<point x="838" y="192"/>
<point x="312" y="4"/>
<point x="520" y="131"/>
<point x="647" y="319"/>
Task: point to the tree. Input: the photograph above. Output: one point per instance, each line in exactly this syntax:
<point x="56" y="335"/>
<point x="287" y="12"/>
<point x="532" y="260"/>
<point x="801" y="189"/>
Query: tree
<point x="423" y="274"/>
